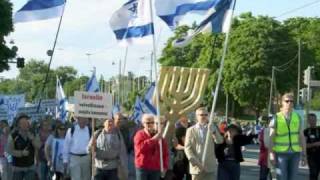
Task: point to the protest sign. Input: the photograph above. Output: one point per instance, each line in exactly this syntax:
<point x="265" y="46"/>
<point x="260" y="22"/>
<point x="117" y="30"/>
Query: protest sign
<point x="49" y="106"/>
<point x="93" y="105"/>
<point x="3" y="114"/>
<point x="33" y="112"/>
<point x="11" y="103"/>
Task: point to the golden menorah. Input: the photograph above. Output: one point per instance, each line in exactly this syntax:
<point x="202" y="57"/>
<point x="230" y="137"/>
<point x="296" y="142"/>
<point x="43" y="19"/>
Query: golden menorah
<point x="180" y="92"/>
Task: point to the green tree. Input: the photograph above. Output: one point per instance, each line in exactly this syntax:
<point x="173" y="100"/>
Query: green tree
<point x="6" y="27"/>
<point x="306" y="30"/>
<point x="66" y="73"/>
<point x="31" y="79"/>
<point x="7" y="86"/>
<point x="315" y="101"/>
<point x="253" y="50"/>
<point x="77" y="84"/>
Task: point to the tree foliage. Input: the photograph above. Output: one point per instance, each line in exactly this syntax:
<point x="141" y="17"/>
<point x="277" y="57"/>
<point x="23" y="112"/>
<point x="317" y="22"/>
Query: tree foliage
<point x="6" y="27"/>
<point x="31" y="79"/>
<point x="256" y="44"/>
<point x="315" y="102"/>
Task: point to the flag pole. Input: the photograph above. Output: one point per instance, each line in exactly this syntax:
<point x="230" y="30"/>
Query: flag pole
<point x="51" y="57"/>
<point x="93" y="125"/>
<point x="214" y="102"/>
<point x="57" y="81"/>
<point x="156" y="88"/>
<point x="124" y="81"/>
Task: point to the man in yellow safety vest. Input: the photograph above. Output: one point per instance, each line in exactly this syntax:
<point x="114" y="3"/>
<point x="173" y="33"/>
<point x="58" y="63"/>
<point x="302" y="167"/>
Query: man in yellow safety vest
<point x="287" y="140"/>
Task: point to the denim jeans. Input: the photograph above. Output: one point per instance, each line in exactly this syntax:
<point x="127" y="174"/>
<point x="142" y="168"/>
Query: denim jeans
<point x="287" y="165"/>
<point x="229" y="170"/>
<point x="43" y="170"/>
<point x="24" y="175"/>
<point x="142" y="174"/>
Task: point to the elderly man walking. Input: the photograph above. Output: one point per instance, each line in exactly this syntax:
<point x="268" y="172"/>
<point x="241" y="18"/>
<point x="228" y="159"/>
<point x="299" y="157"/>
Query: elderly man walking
<point x="147" y="150"/>
<point x="110" y="152"/>
<point x="194" y="147"/>
<point x="75" y="154"/>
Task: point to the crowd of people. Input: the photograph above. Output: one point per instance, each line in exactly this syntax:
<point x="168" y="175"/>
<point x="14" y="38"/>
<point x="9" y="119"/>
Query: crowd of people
<point x="124" y="150"/>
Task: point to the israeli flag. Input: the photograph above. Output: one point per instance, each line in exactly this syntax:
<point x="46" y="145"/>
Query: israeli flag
<point x="93" y="85"/>
<point x="172" y="11"/>
<point x="115" y="109"/>
<point x="35" y="10"/>
<point x="62" y="102"/>
<point x="137" y="111"/>
<point x="217" y="20"/>
<point x="147" y="101"/>
<point x="132" y="23"/>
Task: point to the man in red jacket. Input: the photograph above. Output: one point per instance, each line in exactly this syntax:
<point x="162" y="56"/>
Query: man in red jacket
<point x="147" y="150"/>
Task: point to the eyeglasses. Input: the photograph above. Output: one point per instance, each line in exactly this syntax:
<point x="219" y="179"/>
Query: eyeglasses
<point x="203" y="114"/>
<point x="288" y="101"/>
<point x="150" y="122"/>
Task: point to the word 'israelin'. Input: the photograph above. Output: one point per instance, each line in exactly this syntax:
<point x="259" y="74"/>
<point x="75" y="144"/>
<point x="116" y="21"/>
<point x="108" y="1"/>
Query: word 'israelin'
<point x="92" y="97"/>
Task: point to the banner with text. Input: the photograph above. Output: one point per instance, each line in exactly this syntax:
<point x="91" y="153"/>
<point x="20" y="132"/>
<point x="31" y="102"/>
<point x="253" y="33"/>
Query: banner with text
<point x="49" y="106"/>
<point x="3" y="114"/>
<point x="93" y="105"/>
<point x="33" y="112"/>
<point x="11" y="104"/>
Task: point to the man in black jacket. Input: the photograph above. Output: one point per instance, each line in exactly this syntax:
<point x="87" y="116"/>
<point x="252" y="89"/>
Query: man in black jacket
<point x="229" y="153"/>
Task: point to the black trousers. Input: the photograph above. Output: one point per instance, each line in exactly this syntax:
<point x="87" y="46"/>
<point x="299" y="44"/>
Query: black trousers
<point x="103" y="174"/>
<point x="264" y="173"/>
<point x="229" y="170"/>
<point x="314" y="166"/>
<point x="180" y="169"/>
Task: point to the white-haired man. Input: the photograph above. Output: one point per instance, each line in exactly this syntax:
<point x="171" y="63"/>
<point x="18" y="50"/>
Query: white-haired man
<point x="147" y="150"/>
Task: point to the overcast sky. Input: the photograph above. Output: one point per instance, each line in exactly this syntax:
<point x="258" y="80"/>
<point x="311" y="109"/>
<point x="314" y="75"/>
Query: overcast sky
<point x="85" y="30"/>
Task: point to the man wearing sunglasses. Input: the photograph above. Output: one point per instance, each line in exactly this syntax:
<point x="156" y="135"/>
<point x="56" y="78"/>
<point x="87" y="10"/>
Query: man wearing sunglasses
<point x="194" y="147"/>
<point x="147" y="149"/>
<point x="287" y="140"/>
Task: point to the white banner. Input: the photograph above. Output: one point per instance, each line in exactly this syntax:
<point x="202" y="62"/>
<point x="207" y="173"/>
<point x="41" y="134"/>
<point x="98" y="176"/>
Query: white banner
<point x="93" y="105"/>
<point x="32" y="112"/>
<point x="49" y="106"/>
<point x="3" y="114"/>
<point x="11" y="103"/>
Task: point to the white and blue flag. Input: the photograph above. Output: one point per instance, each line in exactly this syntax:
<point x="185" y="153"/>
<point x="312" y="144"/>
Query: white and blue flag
<point x="132" y="23"/>
<point x="137" y="111"/>
<point x="217" y="20"/>
<point x="147" y="101"/>
<point x="172" y="11"/>
<point x="35" y="10"/>
<point x="62" y="102"/>
<point x="93" y="85"/>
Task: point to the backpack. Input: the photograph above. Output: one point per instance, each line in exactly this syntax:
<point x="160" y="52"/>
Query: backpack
<point x="73" y="128"/>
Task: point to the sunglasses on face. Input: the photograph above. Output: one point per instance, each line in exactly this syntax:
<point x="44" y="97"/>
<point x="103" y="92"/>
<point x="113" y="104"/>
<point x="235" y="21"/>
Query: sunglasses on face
<point x="150" y="122"/>
<point x="288" y="101"/>
<point x="203" y="114"/>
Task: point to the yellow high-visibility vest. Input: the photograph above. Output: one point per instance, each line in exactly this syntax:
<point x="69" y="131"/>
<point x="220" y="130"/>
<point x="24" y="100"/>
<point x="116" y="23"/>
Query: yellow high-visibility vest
<point x="287" y="135"/>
